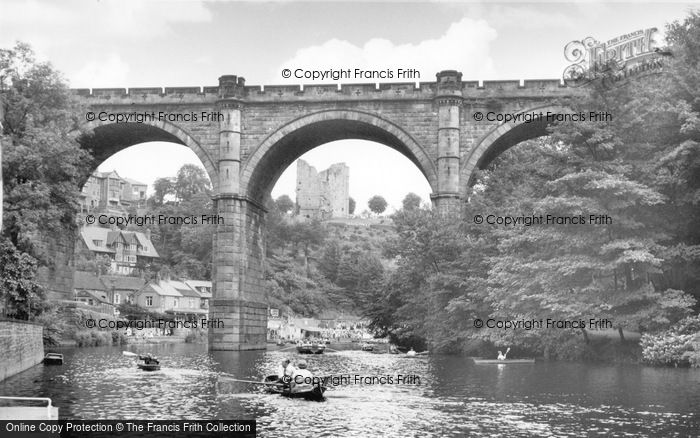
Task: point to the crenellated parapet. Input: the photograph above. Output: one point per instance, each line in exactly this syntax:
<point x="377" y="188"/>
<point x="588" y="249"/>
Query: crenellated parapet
<point x="233" y="86"/>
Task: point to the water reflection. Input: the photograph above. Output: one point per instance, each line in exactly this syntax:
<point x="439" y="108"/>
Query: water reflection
<point x="455" y="397"/>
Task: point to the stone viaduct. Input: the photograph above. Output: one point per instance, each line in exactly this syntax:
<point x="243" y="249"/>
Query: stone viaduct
<point x="263" y="130"/>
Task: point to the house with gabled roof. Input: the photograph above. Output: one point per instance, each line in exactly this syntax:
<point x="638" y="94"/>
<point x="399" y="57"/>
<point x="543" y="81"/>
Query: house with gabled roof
<point x="204" y="289"/>
<point x="89" y="289"/>
<point x="125" y="249"/>
<point x="122" y="288"/>
<point x="158" y="296"/>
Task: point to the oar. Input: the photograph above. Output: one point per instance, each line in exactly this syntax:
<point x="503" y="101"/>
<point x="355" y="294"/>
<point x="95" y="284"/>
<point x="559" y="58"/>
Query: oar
<point x="251" y="381"/>
<point x="129" y="353"/>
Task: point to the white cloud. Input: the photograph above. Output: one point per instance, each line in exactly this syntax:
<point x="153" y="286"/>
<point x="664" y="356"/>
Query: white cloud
<point x="526" y="18"/>
<point x="464" y="47"/>
<point x="51" y="23"/>
<point x="110" y="72"/>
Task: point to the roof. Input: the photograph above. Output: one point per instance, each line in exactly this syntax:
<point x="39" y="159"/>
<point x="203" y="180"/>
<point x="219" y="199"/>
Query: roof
<point x="197" y="284"/>
<point x="87" y="280"/>
<point x="162" y="288"/>
<point x="133" y="182"/>
<point x="119" y="282"/>
<point x="184" y="289"/>
<point x="305" y="324"/>
<point x="110" y="236"/>
<point x="89" y="234"/>
<point x="96" y="295"/>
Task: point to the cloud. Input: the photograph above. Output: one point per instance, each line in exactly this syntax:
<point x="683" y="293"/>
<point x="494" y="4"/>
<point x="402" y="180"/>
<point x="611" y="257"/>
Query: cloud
<point x="464" y="47"/>
<point x="70" y="21"/>
<point x="110" y="72"/>
<point x="526" y="18"/>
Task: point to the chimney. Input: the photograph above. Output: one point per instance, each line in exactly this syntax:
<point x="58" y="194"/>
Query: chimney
<point x="148" y="233"/>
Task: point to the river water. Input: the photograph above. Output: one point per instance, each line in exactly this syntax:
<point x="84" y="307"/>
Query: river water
<point x="455" y="397"/>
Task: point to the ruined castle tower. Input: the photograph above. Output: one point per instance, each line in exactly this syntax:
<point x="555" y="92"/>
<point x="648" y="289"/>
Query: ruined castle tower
<point x="323" y="195"/>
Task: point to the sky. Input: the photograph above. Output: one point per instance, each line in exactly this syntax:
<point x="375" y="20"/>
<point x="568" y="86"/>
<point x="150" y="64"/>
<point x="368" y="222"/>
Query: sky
<point x="126" y="44"/>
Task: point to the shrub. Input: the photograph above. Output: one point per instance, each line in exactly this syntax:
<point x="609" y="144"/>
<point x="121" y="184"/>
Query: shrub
<point x="677" y="346"/>
<point x="119" y="338"/>
<point x="196" y="336"/>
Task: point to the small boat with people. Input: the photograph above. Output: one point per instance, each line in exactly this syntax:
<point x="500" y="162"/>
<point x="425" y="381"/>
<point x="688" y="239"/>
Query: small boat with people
<point x="501" y="360"/>
<point x="367" y="347"/>
<point x="307" y="347"/>
<point x="291" y="382"/>
<point x="274" y="386"/>
<point x="414" y="353"/>
<point x="53" y="359"/>
<point x="149" y="363"/>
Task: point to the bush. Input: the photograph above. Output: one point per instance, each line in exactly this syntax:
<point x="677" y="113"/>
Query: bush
<point x="83" y="338"/>
<point x="53" y="328"/>
<point x="119" y="338"/>
<point x="196" y="336"/>
<point x="677" y="346"/>
<point x="93" y="338"/>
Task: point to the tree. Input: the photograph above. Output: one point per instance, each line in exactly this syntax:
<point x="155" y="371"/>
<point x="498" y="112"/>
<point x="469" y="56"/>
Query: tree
<point x="163" y="187"/>
<point x="42" y="163"/>
<point x="377" y="204"/>
<point x="351" y="206"/>
<point x="191" y="180"/>
<point x="284" y="204"/>
<point x="411" y="202"/>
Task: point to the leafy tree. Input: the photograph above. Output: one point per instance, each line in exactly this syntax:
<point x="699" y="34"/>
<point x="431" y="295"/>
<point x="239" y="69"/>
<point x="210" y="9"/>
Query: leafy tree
<point x="411" y="201"/>
<point x="351" y="206"/>
<point x="163" y="187"/>
<point x="42" y="163"/>
<point x="284" y="204"/>
<point x="191" y="180"/>
<point x="377" y="204"/>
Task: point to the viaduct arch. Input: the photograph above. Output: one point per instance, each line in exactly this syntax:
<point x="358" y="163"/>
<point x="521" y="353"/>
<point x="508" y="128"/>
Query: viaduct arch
<point x="247" y="135"/>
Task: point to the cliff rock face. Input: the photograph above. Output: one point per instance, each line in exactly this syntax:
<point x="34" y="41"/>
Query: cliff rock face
<point x="322" y="195"/>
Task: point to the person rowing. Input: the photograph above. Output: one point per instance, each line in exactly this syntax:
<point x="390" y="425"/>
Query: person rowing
<point x="148" y="359"/>
<point x="502" y="356"/>
<point x="302" y="379"/>
<point x="285" y="371"/>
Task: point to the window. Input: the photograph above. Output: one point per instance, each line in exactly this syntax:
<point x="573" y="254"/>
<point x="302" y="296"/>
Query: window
<point x="149" y="300"/>
<point x="117" y="298"/>
<point x="97" y="242"/>
<point x="191" y="302"/>
<point x="175" y="302"/>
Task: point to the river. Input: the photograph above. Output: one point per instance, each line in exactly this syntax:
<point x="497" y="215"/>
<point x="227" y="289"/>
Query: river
<point x="455" y="397"/>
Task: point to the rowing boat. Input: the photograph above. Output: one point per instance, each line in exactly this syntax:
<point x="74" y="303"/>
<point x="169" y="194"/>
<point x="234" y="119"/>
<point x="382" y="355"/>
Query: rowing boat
<point x="314" y="394"/>
<point x="504" y="361"/>
<point x="53" y="359"/>
<point x="149" y="366"/>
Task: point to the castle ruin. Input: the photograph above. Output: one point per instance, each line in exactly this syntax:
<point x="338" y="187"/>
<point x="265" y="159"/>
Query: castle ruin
<point x="323" y="195"/>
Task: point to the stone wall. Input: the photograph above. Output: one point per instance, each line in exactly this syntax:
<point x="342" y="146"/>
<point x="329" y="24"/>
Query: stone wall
<point x="22" y="346"/>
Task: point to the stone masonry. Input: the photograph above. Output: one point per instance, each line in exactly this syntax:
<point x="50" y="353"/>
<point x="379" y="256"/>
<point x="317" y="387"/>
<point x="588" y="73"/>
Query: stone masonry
<point x="323" y="195"/>
<point x="246" y="136"/>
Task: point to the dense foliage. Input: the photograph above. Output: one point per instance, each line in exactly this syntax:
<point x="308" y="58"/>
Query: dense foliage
<point x="41" y="167"/>
<point x="635" y="262"/>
